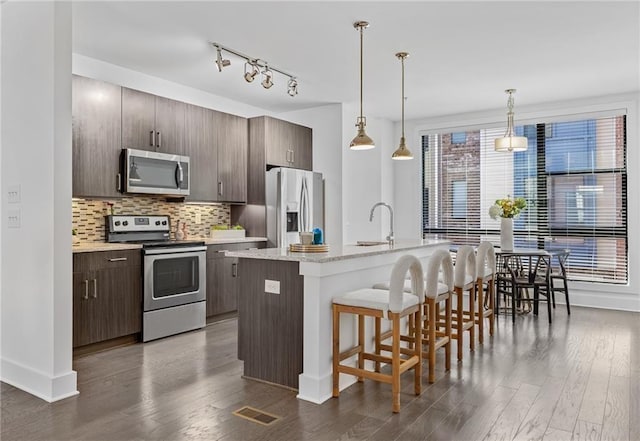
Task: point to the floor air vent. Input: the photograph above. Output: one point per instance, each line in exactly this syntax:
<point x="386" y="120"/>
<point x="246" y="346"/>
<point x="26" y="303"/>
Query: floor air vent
<point x="257" y="416"/>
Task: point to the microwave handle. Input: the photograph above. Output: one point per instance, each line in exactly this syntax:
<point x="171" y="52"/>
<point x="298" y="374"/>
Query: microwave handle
<point x="179" y="174"/>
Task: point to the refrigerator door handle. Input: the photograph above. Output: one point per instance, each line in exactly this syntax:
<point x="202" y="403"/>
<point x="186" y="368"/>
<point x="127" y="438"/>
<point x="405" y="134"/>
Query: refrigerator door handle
<point x="304" y="205"/>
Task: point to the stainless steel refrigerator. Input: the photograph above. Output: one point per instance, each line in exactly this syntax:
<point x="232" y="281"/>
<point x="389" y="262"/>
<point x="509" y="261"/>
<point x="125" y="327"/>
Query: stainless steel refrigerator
<point x="295" y="203"/>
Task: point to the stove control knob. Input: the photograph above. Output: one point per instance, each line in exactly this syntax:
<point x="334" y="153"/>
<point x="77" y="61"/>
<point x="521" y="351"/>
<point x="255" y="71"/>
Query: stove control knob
<point x="157" y="222"/>
<point x="125" y="223"/>
<point x="164" y="222"/>
<point x="117" y="223"/>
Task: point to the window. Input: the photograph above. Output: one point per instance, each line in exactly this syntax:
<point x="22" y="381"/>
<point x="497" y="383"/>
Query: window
<point x="574" y="179"/>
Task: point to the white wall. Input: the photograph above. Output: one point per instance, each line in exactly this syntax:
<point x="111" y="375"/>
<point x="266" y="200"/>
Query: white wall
<point x="36" y="303"/>
<point x="111" y="73"/>
<point x="408" y="183"/>
<point x="326" y="122"/>
<point x="367" y="178"/>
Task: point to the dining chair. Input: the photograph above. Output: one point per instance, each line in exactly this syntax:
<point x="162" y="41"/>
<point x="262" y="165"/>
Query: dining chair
<point x="525" y="272"/>
<point x="559" y="273"/>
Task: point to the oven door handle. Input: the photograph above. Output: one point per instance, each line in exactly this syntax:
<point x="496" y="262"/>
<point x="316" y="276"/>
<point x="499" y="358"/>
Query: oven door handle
<point x="155" y="251"/>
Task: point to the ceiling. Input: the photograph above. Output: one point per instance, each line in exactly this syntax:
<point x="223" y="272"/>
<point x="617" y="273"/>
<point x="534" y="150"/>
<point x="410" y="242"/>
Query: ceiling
<point x="462" y="54"/>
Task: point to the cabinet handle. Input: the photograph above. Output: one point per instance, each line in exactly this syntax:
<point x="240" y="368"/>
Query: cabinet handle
<point x="118" y="182"/>
<point x="220" y="188"/>
<point x="153" y="138"/>
<point x="118" y="259"/>
<point x="222" y="251"/>
<point x="159" y="139"/>
<point x="95" y="288"/>
<point x="86" y="290"/>
<point x="293" y="156"/>
<point x="234" y="270"/>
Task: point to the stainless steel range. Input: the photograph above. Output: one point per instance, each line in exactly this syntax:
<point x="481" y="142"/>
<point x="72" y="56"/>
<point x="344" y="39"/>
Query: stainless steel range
<point x="174" y="275"/>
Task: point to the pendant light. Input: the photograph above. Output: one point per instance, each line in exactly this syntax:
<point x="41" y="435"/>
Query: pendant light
<point x="362" y="141"/>
<point x="510" y="142"/>
<point x="402" y="152"/>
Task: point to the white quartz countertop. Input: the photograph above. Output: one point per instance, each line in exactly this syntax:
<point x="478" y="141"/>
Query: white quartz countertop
<point x="209" y="241"/>
<point x="89" y="247"/>
<point x="338" y="252"/>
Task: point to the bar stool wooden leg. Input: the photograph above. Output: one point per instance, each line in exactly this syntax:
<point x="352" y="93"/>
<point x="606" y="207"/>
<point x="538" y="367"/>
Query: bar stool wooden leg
<point x="432" y="306"/>
<point x="472" y="312"/>
<point x="492" y="304"/>
<point x="447" y="330"/>
<point x="395" y="362"/>
<point x="361" y="345"/>
<point x="378" y="330"/>
<point x="480" y="288"/>
<point x="459" y="321"/>
<point x="336" y="350"/>
<point x="417" y="336"/>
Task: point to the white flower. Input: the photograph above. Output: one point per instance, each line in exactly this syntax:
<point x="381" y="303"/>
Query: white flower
<point x="495" y="211"/>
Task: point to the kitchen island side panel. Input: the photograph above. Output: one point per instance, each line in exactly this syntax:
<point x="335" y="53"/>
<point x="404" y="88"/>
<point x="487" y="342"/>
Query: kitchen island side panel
<point x="270" y="325"/>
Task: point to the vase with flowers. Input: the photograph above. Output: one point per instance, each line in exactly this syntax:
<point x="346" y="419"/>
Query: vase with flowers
<point x="506" y="209"/>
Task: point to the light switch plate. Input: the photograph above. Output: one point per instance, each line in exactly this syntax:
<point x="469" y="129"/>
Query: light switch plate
<point x="272" y="286"/>
<point x="13" y="218"/>
<point x="13" y="194"/>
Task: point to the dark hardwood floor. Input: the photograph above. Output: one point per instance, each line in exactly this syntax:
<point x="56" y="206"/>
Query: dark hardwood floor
<point x="577" y="379"/>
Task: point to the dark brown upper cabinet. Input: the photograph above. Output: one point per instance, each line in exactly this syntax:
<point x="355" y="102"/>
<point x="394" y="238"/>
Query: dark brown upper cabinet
<point x="200" y="146"/>
<point x="152" y="122"/>
<point x="232" y="139"/>
<point x="275" y="143"/>
<point x="96" y="122"/>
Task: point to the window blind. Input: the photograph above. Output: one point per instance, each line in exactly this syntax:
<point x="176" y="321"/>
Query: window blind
<point x="574" y="179"/>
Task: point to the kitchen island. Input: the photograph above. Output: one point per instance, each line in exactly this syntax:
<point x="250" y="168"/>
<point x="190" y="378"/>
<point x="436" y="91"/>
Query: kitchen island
<point x="284" y="307"/>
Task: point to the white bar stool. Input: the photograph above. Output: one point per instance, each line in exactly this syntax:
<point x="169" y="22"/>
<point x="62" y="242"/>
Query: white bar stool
<point x="485" y="271"/>
<point x="392" y="305"/>
<point x="434" y="336"/>
<point x="464" y="280"/>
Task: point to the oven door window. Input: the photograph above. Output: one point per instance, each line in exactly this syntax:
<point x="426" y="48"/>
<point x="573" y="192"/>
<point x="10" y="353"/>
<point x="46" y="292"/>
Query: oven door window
<point x="175" y="276"/>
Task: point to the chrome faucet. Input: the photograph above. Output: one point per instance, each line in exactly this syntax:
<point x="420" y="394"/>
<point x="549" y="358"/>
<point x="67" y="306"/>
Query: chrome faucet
<point x="390" y="236"/>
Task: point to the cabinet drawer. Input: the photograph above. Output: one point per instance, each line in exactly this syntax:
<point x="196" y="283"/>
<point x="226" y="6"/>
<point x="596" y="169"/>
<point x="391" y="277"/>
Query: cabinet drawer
<point x="217" y="251"/>
<point x="83" y="262"/>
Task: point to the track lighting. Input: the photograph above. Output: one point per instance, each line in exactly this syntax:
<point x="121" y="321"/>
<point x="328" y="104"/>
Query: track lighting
<point x="292" y="87"/>
<point x="219" y="61"/>
<point x="268" y="78"/>
<point x="250" y="76"/>
<point x="253" y="67"/>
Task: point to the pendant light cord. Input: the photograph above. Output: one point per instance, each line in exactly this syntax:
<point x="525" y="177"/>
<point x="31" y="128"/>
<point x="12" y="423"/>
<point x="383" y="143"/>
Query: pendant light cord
<point x="402" y="96"/>
<point x="361" y="72"/>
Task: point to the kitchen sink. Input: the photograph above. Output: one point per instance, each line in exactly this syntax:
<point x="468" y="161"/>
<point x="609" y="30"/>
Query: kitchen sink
<point x="369" y="243"/>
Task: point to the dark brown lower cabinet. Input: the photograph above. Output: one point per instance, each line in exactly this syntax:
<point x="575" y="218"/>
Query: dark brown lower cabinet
<point x="270" y="326"/>
<point x="222" y="277"/>
<point x="107" y="296"/>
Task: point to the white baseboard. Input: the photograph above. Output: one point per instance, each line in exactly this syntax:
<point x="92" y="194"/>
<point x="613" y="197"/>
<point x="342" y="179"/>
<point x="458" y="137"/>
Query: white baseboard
<point x="603" y="300"/>
<point x="38" y="383"/>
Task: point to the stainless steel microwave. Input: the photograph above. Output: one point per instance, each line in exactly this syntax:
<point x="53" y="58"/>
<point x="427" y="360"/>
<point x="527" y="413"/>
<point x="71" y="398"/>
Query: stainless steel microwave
<point x="155" y="173"/>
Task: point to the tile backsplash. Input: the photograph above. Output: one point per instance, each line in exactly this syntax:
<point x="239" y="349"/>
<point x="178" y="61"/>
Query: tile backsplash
<point x="89" y="221"/>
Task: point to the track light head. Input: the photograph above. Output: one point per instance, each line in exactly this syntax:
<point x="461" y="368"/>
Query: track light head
<point x="220" y="62"/>
<point x="292" y="87"/>
<point x="250" y="76"/>
<point x="268" y="78"/>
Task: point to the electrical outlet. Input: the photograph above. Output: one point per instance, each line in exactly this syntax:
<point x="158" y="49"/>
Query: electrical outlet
<point x="13" y="194"/>
<point x="198" y="218"/>
<point x="272" y="286"/>
<point x="13" y="218"/>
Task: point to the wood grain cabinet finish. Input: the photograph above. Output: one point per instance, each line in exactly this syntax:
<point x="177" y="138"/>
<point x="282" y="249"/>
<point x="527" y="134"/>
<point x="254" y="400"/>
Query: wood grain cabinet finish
<point x="275" y="143"/>
<point x="222" y="277"/>
<point x="200" y="146"/>
<point x="232" y="139"/>
<point x="270" y="326"/>
<point x="151" y="122"/>
<point x="107" y="296"/>
<point x="96" y="123"/>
